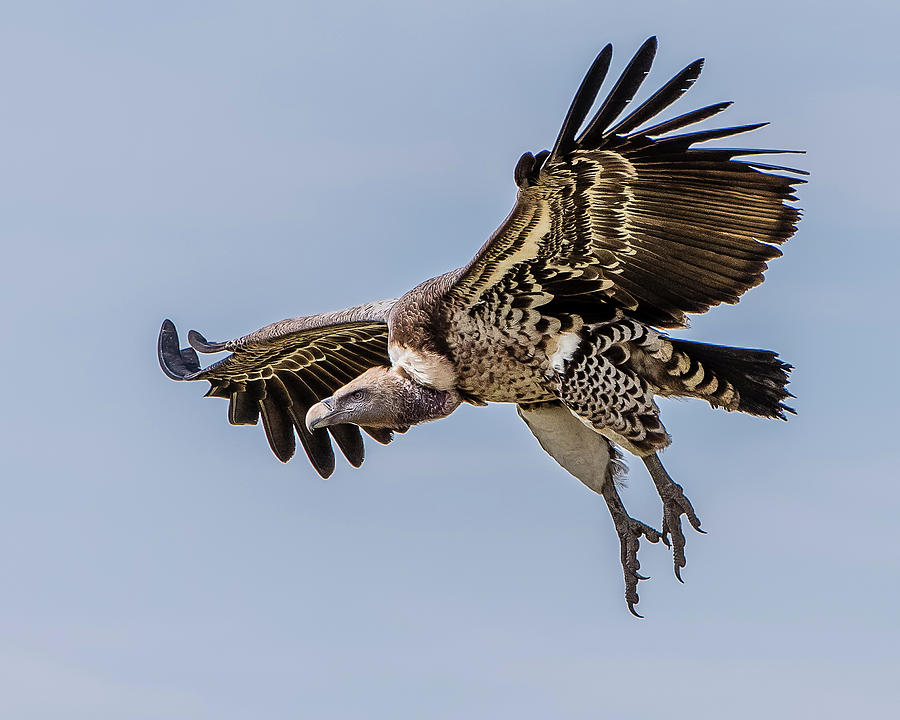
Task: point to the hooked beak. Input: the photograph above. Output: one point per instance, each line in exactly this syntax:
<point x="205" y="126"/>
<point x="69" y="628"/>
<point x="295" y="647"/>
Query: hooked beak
<point x="321" y="414"/>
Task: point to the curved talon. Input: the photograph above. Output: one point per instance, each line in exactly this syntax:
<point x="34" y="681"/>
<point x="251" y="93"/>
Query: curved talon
<point x="675" y="504"/>
<point x="672" y="526"/>
<point x="630" y="532"/>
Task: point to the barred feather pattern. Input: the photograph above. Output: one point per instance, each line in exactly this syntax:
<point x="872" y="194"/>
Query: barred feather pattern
<point x="687" y="377"/>
<point x="617" y="368"/>
<point x="597" y="385"/>
<point x="671" y="371"/>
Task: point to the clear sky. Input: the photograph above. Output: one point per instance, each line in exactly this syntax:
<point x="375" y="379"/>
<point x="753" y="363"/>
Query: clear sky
<point x="231" y="164"/>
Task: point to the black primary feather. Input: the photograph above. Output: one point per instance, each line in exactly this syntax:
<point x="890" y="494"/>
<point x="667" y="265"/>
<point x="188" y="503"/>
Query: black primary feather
<point x="621" y="94"/>
<point x="350" y="442"/>
<point x="316" y="443"/>
<point x="582" y="102"/>
<point x="660" y="100"/>
<point x="177" y="363"/>
<point x="201" y="344"/>
<point x="243" y="408"/>
<point x="278" y="425"/>
<point x="688" y="118"/>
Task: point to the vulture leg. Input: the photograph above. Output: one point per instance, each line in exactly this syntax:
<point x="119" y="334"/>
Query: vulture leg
<point x="591" y="458"/>
<point x="629" y="531"/>
<point x="675" y="504"/>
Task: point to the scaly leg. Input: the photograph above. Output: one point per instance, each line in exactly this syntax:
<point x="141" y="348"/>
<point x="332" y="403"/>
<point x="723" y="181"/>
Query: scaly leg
<point x="629" y="531"/>
<point x="675" y="504"/>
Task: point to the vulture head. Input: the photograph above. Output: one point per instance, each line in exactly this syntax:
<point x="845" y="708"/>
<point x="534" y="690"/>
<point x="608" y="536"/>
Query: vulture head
<point x="382" y="397"/>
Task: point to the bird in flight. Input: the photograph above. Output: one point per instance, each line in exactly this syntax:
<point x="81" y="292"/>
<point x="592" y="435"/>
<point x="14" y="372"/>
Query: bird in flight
<point x="618" y="232"/>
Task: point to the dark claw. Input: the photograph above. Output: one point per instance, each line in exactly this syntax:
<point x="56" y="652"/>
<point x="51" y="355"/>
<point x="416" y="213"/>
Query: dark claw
<point x="675" y="504"/>
<point x="630" y="532"/>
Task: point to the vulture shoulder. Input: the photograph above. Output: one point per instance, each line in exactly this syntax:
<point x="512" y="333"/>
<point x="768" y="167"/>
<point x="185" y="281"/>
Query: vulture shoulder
<point x="632" y="216"/>
<point x="278" y="372"/>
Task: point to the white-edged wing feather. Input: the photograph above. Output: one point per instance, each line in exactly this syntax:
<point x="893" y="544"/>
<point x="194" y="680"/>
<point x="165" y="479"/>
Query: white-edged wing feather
<point x="645" y="223"/>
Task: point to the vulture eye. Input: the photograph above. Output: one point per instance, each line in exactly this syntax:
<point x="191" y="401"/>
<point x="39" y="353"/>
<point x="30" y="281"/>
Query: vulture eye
<point x="357" y="395"/>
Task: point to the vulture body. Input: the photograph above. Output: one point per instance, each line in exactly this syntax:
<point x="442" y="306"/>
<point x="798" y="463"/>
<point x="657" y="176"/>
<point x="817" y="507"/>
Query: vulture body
<point x="618" y="232"/>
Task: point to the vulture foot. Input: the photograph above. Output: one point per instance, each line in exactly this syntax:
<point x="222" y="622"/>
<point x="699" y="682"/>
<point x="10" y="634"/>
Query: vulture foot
<point x="675" y="504"/>
<point x="630" y="532"/>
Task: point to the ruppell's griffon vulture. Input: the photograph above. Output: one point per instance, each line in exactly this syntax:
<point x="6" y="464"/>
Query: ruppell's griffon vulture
<point x="619" y="231"/>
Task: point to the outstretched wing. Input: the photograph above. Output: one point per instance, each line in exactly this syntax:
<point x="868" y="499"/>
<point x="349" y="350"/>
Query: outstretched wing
<point x="632" y="218"/>
<point x="280" y="371"/>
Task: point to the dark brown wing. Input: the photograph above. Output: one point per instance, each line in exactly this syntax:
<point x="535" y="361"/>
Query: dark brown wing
<point x="280" y="371"/>
<point x="633" y="218"/>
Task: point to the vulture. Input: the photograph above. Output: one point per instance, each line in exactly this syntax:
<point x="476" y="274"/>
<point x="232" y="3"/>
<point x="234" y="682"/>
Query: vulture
<point x="619" y="232"/>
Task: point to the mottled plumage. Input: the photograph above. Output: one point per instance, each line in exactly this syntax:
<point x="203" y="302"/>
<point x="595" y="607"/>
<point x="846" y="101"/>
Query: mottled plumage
<point x="618" y="232"/>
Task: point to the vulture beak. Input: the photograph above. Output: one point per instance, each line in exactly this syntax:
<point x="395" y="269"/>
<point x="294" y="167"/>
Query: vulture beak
<point x="321" y="414"/>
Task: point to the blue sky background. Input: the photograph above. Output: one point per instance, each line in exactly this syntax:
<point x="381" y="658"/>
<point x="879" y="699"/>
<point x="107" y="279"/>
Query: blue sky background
<point x="231" y="164"/>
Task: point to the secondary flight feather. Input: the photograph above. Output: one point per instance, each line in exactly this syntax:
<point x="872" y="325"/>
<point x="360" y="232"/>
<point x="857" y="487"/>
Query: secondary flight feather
<point x="619" y="232"/>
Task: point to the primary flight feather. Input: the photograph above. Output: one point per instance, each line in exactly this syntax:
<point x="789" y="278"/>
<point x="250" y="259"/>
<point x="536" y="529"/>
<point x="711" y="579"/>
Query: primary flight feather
<point x="618" y="232"/>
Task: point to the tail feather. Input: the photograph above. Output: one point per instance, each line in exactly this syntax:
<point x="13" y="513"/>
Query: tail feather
<point x="758" y="376"/>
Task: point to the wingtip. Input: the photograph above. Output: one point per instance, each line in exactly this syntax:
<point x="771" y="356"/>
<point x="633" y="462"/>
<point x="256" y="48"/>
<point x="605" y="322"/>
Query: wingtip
<point x="201" y="344"/>
<point x="648" y="48"/>
<point x="582" y="102"/>
<point x="167" y="351"/>
<point x="325" y="471"/>
<point x="176" y="363"/>
<point x="379" y="435"/>
<point x="621" y="94"/>
<point x="693" y="70"/>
